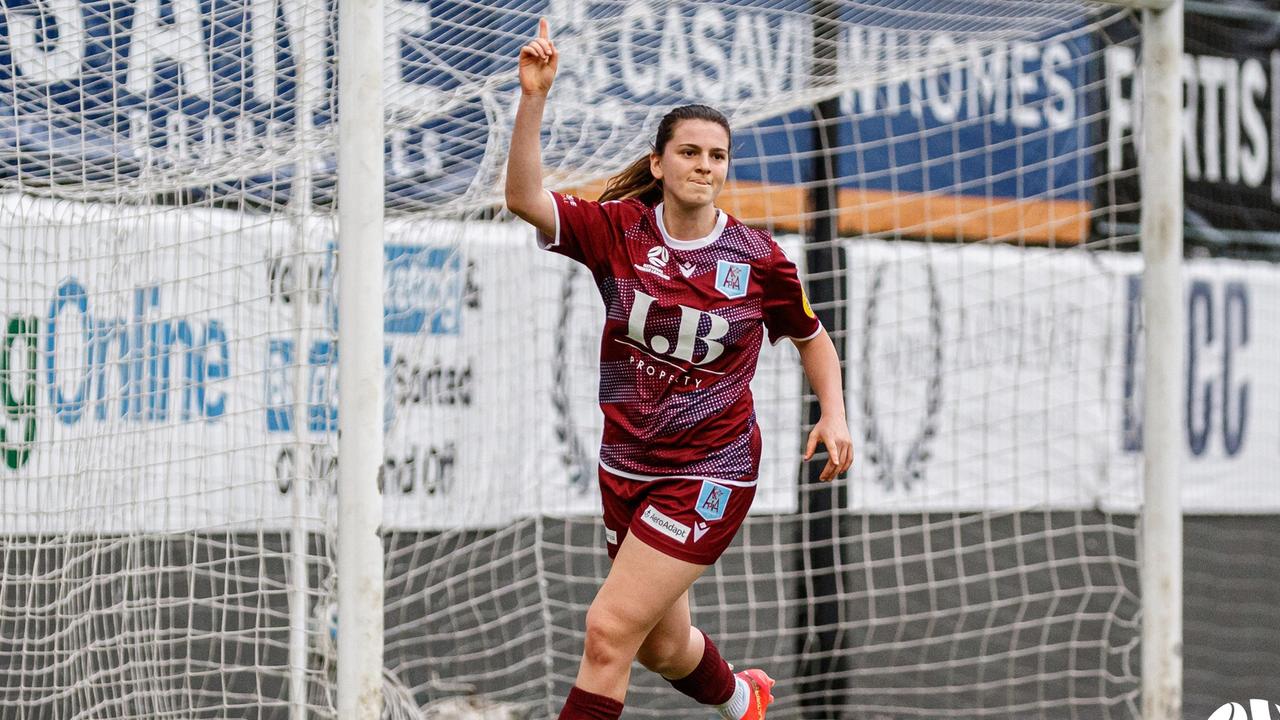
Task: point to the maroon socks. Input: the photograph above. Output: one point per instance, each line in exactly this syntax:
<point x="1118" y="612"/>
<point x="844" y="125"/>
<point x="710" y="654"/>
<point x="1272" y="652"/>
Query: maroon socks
<point x="583" y="705"/>
<point x="712" y="682"/>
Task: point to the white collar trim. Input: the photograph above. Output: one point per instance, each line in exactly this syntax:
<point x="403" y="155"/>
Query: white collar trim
<point x="722" y="219"/>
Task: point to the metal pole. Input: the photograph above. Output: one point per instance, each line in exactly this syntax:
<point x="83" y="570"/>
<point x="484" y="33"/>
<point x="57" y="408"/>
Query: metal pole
<point x="360" y="380"/>
<point x="1162" y="297"/>
<point x="820" y="677"/>
<point x="309" y="54"/>
<point x="299" y="535"/>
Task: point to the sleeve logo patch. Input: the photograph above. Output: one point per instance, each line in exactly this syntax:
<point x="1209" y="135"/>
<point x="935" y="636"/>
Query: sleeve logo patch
<point x="732" y="278"/>
<point x="804" y="300"/>
<point x="712" y="500"/>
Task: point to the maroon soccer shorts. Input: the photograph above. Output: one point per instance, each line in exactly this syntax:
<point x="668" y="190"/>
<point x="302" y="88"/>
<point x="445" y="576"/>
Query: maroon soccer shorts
<point x="690" y="520"/>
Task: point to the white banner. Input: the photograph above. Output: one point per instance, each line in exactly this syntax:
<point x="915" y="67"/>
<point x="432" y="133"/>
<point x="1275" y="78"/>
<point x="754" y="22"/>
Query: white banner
<point x="1231" y="390"/>
<point x="150" y="360"/>
<point x="134" y="344"/>
<point x="992" y="377"/>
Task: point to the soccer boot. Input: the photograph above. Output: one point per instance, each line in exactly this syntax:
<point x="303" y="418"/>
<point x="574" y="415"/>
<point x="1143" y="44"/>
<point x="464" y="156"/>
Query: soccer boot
<point x="761" y="687"/>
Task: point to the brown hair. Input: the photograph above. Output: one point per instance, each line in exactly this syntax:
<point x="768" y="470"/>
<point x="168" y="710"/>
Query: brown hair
<point x="637" y="180"/>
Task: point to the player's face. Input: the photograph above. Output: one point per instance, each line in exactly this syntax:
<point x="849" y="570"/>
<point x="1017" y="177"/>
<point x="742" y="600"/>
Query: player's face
<point x="694" y="163"/>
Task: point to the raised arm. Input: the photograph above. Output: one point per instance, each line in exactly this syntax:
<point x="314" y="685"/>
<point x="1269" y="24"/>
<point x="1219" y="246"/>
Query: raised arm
<point x="525" y="196"/>
<point x="822" y="367"/>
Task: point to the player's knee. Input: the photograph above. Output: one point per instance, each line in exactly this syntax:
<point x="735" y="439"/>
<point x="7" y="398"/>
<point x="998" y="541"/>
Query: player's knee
<point x="608" y="638"/>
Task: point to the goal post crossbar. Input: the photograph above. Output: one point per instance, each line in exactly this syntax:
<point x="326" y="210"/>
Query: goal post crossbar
<point x="1145" y="4"/>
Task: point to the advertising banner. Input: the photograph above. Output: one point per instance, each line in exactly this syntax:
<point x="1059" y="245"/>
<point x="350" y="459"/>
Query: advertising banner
<point x="1231" y="116"/>
<point x="153" y="387"/>
<point x="201" y="99"/>
<point x="988" y="377"/>
<point x="962" y="138"/>
<point x="981" y="376"/>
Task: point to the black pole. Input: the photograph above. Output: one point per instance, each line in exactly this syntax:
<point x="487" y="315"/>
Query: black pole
<point x="821" y="672"/>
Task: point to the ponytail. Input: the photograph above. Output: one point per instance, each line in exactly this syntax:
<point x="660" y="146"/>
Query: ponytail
<point x="636" y="181"/>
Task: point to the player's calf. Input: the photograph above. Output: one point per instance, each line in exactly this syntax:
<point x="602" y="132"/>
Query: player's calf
<point x="711" y="682"/>
<point x="667" y="657"/>
<point x="582" y="705"/>
<point x="745" y="696"/>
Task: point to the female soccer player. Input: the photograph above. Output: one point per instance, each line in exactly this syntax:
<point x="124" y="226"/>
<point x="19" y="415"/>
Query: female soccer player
<point x="689" y="293"/>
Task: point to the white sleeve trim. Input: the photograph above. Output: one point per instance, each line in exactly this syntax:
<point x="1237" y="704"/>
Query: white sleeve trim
<point x="555" y="241"/>
<point x="810" y="336"/>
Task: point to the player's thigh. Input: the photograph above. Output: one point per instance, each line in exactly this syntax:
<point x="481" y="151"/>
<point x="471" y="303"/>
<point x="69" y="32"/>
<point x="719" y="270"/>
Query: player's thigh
<point x="675" y="623"/>
<point x="671" y="634"/>
<point x="669" y="641"/>
<point x="643" y="585"/>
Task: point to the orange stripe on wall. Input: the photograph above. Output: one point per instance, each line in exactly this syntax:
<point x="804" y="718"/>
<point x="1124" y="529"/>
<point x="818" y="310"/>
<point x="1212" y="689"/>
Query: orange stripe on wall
<point x="935" y="216"/>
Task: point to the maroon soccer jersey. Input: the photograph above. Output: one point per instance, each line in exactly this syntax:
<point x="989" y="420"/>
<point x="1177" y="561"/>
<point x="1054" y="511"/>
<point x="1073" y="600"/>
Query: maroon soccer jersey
<point x="684" y="321"/>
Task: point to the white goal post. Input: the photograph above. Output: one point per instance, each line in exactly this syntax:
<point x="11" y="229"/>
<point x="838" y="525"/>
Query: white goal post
<point x="1162" y="283"/>
<point x="361" y="184"/>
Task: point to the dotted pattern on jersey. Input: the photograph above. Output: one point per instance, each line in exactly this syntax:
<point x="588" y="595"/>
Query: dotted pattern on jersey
<point x="609" y="294"/>
<point x="737" y="243"/>
<point x="616" y="385"/>
<point x="659" y="400"/>
<point x="736" y="240"/>
<point x="688" y="409"/>
<point x="731" y="462"/>
<point x="741" y="316"/>
<point x="682" y="410"/>
<point x="665" y="406"/>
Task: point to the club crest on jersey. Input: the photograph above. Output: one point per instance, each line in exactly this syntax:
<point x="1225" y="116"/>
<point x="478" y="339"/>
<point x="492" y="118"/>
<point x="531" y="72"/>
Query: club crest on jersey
<point x="732" y="278"/>
<point x="712" y="500"/>
<point x="657" y="262"/>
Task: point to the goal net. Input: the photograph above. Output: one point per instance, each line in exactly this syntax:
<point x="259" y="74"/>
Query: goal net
<point x="168" y="234"/>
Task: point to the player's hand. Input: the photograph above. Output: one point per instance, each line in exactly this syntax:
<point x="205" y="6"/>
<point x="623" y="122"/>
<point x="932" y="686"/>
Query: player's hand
<point x="834" y="436"/>
<point x="538" y="62"/>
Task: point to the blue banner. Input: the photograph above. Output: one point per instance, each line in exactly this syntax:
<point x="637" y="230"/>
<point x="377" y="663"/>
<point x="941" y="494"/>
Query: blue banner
<point x="204" y="97"/>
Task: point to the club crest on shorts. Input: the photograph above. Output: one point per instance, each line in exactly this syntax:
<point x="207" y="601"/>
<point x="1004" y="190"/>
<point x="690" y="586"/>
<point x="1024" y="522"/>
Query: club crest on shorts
<point x="732" y="278"/>
<point x="712" y="500"/>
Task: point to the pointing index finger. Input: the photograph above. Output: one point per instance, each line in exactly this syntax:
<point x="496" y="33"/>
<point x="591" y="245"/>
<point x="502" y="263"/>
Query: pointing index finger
<point x="544" y="29"/>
